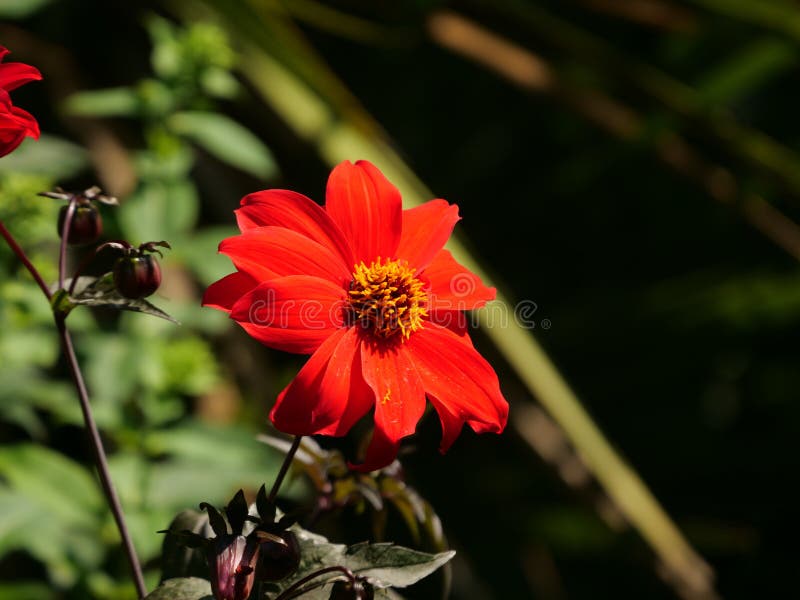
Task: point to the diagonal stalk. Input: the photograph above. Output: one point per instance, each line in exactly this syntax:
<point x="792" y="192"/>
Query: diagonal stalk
<point x="23" y="258"/>
<point x="100" y="456"/>
<point x="287" y="461"/>
<point x="97" y="444"/>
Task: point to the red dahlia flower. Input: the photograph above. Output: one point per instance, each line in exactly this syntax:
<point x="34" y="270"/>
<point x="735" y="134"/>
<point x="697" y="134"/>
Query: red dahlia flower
<point x="15" y="123"/>
<point x="365" y="288"/>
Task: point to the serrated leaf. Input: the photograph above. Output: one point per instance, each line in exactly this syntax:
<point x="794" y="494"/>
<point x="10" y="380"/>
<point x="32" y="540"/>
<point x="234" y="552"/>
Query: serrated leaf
<point x="176" y="559"/>
<point x="111" y="102"/>
<point x="101" y="292"/>
<point x="182" y="588"/>
<point x="388" y="565"/>
<point x="227" y="140"/>
<point x="385" y="565"/>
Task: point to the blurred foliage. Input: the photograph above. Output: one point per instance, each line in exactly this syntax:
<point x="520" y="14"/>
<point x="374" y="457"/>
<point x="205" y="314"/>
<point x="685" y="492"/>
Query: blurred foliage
<point x="144" y="376"/>
<point x="645" y="195"/>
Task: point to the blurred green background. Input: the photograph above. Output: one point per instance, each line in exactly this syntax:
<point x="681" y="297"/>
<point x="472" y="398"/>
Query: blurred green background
<point x="631" y="168"/>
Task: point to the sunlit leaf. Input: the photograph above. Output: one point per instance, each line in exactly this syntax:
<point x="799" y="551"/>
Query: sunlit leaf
<point x="49" y="156"/>
<point x="227" y="140"/>
<point x="112" y="102"/>
<point x="182" y="588"/>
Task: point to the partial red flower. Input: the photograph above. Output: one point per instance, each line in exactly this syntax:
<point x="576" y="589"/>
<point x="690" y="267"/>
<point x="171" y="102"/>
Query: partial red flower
<point x="367" y="289"/>
<point x="15" y="123"/>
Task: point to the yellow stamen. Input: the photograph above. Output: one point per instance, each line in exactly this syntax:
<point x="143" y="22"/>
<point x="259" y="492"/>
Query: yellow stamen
<point x="386" y="298"/>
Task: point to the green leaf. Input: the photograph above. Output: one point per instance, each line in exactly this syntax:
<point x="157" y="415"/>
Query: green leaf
<point x="49" y="156"/>
<point x="200" y="253"/>
<point x="64" y="486"/>
<point x="159" y="210"/>
<point x="385" y="565"/>
<point x="25" y="590"/>
<point x="52" y="509"/>
<point x="20" y="9"/>
<point x="176" y="559"/>
<point x="183" y="588"/>
<point x="747" y="70"/>
<point x="101" y="292"/>
<point x="111" y="102"/>
<point x="227" y="140"/>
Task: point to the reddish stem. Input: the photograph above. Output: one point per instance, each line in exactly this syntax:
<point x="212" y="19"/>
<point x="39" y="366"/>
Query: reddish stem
<point x="16" y="249"/>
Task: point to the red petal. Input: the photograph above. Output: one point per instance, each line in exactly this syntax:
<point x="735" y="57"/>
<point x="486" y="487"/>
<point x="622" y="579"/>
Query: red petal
<point x="284" y="208"/>
<point x="456" y="321"/>
<point x="268" y="252"/>
<point x="13" y="75"/>
<point x="453" y="286"/>
<point x="459" y="378"/>
<point x="359" y="400"/>
<point x="293" y="314"/>
<point x="26" y="121"/>
<point x="399" y="401"/>
<point x="451" y="424"/>
<point x="426" y="228"/>
<point x="224" y="293"/>
<point x="367" y="208"/>
<point x="315" y="400"/>
<point x="15" y="125"/>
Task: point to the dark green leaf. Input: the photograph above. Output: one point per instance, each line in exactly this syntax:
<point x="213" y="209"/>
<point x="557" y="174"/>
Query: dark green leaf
<point x="182" y="588"/>
<point x="26" y="590"/>
<point x="385" y="565"/>
<point x="178" y="560"/>
<point x="101" y="292"/>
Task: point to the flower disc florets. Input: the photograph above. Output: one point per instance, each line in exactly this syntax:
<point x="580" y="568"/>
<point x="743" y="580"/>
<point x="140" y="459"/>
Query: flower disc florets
<point x="387" y="298"/>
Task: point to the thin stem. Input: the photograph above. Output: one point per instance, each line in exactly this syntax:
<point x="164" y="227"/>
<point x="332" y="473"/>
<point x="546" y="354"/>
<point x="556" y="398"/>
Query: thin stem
<point x="62" y="254"/>
<point x="287" y="461"/>
<point x="290" y="591"/>
<point x="100" y="456"/>
<point x="15" y="247"/>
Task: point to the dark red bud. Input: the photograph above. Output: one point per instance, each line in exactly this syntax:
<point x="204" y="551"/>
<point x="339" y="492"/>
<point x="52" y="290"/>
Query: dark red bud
<point x="232" y="559"/>
<point x="86" y="226"/>
<point x="279" y="560"/>
<point x="137" y="276"/>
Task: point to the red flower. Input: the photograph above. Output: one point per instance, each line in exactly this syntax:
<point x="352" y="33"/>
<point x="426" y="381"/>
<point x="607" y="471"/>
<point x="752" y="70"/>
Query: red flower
<point x="365" y="288"/>
<point x="15" y="123"/>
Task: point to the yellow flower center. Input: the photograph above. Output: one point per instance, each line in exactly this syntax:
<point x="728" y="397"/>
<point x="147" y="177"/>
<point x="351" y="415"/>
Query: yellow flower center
<point x="386" y="298"/>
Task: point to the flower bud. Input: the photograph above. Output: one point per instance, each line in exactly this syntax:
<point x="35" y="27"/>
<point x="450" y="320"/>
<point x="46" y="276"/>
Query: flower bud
<point x="86" y="225"/>
<point x="137" y="276"/>
<point x="278" y="560"/>
<point x="232" y="559"/>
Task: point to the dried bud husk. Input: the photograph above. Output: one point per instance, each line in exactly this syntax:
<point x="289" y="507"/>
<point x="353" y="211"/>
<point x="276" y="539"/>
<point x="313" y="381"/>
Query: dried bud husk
<point x="232" y="559"/>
